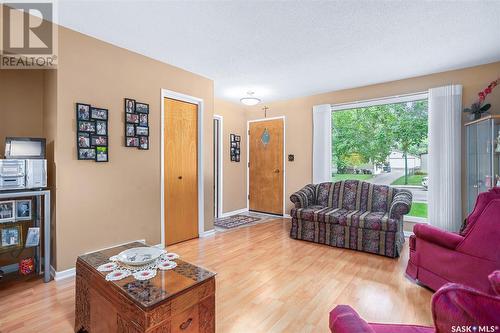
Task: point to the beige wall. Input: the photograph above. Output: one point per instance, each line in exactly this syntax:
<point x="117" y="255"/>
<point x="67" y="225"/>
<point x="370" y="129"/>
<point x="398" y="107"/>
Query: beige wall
<point x="234" y="174"/>
<point x="102" y="204"/>
<point x="21" y="104"/>
<point x="298" y="112"/>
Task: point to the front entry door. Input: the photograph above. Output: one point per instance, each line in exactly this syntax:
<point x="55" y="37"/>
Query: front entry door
<point x="266" y="166"/>
<point x="180" y="171"/>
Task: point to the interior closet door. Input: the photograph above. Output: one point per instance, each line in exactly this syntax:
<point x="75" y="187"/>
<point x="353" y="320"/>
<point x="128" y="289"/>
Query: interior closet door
<point x="181" y="171"/>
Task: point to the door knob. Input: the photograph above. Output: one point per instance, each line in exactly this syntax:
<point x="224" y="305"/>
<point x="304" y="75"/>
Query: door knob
<point x="277" y="171"/>
<point x="180" y="177"/>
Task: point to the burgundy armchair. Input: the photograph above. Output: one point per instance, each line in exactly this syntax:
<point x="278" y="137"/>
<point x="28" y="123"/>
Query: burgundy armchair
<point x="438" y="257"/>
<point x="453" y="305"/>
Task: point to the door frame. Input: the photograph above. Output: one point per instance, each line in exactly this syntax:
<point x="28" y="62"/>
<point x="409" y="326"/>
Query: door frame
<point x="165" y="93"/>
<point x="220" y="172"/>
<point x="284" y="158"/>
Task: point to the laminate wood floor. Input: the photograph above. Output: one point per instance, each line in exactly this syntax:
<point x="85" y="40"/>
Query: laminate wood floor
<point x="266" y="282"/>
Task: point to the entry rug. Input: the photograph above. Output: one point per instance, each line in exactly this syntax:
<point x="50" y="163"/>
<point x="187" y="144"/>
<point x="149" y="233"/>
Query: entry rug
<point x="235" y="221"/>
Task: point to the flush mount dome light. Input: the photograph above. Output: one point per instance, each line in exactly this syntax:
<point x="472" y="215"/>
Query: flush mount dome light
<point x="250" y="100"/>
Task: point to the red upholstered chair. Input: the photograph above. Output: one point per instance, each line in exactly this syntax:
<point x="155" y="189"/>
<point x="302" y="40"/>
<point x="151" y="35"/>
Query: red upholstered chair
<point x="438" y="257"/>
<point x="453" y="305"/>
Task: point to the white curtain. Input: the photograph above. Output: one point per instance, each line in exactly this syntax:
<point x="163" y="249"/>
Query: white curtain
<point x="322" y="143"/>
<point x="445" y="128"/>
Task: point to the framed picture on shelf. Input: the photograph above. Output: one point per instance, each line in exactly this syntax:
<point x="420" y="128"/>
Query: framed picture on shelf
<point x="10" y="236"/>
<point x="98" y="114"/>
<point x="82" y="111"/>
<point x="23" y="209"/>
<point x="144" y="142"/>
<point x="129" y="105"/>
<point x="33" y="237"/>
<point x="132" y="142"/>
<point x="101" y="154"/>
<point x="86" y="153"/>
<point x="83" y="140"/>
<point x="141" y="107"/>
<point x="7" y="211"/>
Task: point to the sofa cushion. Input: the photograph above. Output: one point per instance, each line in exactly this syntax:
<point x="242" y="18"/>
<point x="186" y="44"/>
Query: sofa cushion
<point x="368" y="220"/>
<point x="309" y="213"/>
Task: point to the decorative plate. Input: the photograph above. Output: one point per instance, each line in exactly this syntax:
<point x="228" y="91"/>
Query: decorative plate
<point x="117" y="275"/>
<point x="145" y="275"/>
<point x="166" y="265"/>
<point x="140" y="256"/>
<point x="171" y="256"/>
<point x="107" y="267"/>
<point x="113" y="258"/>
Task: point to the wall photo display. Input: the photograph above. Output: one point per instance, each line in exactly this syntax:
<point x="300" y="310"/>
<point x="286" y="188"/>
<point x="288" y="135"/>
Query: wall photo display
<point x="235" y="142"/>
<point x="92" y="133"/>
<point x="136" y="124"/>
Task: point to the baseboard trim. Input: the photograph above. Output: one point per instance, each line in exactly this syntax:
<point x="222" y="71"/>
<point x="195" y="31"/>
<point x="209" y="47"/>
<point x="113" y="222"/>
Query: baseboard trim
<point x="208" y="233"/>
<point x="234" y="212"/>
<point x="287" y="216"/>
<point x="70" y="272"/>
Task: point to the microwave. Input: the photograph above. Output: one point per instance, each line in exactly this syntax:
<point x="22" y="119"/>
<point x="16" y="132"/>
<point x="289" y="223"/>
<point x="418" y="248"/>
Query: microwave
<point x="16" y="174"/>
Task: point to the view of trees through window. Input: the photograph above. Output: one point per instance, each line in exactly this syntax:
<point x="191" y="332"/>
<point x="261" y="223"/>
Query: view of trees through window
<point x="384" y="144"/>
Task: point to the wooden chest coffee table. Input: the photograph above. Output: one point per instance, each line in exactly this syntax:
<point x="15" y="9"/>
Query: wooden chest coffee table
<point x="177" y="300"/>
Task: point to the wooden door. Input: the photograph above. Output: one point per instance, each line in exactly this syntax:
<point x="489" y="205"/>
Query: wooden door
<point x="181" y="171"/>
<point x="266" y="166"/>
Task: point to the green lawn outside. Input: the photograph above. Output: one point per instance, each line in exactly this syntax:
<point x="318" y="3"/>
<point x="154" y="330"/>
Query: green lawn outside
<point x="345" y="176"/>
<point x="412" y="180"/>
<point x="418" y="209"/>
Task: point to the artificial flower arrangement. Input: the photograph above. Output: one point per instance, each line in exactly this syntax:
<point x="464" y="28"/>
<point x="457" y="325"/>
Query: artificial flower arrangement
<point x="478" y="108"/>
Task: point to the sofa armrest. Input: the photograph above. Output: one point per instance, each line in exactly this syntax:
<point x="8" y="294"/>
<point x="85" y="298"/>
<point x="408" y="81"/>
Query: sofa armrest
<point x="304" y="197"/>
<point x="458" y="305"/>
<point x="437" y="236"/>
<point x="343" y="319"/>
<point x="401" y="204"/>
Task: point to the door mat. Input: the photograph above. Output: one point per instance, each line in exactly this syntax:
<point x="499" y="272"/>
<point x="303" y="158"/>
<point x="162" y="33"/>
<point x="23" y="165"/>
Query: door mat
<point x="234" y="221"/>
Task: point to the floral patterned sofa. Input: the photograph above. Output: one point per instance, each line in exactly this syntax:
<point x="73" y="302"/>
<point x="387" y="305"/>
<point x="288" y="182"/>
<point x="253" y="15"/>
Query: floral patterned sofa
<point x="351" y="214"/>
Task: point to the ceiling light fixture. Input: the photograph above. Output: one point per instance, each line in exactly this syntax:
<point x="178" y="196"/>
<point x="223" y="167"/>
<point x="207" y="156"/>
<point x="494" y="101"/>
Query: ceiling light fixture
<point x="250" y="100"/>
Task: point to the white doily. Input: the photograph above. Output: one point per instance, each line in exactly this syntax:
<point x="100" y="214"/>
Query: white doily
<point x="108" y="267"/>
<point x="145" y="275"/>
<point x="119" y="270"/>
<point x="117" y="275"/>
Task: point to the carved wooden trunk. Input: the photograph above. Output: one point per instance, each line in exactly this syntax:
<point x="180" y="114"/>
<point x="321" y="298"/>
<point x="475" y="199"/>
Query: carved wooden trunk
<point x="178" y="300"/>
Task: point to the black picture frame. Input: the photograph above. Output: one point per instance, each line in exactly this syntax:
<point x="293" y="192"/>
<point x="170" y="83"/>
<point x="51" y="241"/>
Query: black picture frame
<point x="143" y="116"/>
<point x="144" y="142"/>
<point x="98" y="114"/>
<point x="101" y="154"/>
<point x="141" y="107"/>
<point x="82" y="115"/>
<point x="129" y="129"/>
<point x="234" y="147"/>
<point x="141" y="131"/>
<point x="132" y="141"/>
<point x="81" y="126"/>
<point x="86" y="154"/>
<point x="129" y="108"/>
<point x="129" y="120"/>
<point x="94" y="143"/>
<point x="83" y="139"/>
<point x="101" y="132"/>
<point x="92" y="130"/>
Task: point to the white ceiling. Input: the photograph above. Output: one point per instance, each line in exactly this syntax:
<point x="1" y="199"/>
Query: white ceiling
<point x="286" y="49"/>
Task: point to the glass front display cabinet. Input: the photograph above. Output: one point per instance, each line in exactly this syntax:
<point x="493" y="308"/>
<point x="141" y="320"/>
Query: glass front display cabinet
<point x="483" y="156"/>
